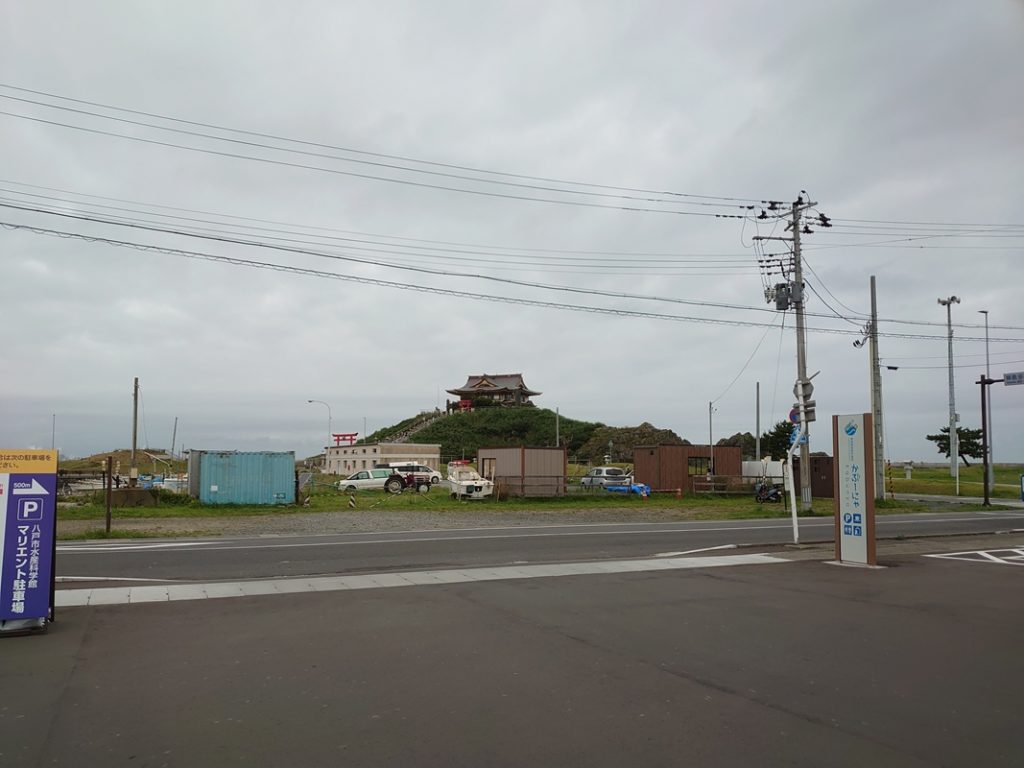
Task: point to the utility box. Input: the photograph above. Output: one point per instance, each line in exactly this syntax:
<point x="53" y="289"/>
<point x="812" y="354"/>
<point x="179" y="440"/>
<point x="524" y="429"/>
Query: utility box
<point x="242" y="477"/>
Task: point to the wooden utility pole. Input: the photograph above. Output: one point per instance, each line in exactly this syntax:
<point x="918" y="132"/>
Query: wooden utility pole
<point x="876" y="397"/>
<point x="133" y="472"/>
<point x="110" y="486"/>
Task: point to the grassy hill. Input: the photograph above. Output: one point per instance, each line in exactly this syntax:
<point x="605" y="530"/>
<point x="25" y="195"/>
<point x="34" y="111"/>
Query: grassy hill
<point x="461" y="434"/>
<point x="122" y="458"/>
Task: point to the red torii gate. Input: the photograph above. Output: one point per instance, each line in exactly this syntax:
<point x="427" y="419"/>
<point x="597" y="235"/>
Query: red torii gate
<point x="349" y="438"/>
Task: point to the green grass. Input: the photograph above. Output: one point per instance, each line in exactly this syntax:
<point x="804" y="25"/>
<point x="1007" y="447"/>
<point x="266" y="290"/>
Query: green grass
<point x="937" y="481"/>
<point x="325" y="498"/>
<point x="100" y="533"/>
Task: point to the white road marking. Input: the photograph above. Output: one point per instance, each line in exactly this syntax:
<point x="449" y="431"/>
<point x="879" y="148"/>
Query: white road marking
<point x="109" y="578"/>
<point x="174" y="592"/>
<point x="695" y="551"/>
<point x="998" y="556"/>
<point x="127" y="546"/>
<point x="405" y="537"/>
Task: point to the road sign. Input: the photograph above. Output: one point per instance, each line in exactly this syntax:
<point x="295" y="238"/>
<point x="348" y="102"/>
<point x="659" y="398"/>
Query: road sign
<point x="1013" y="378"/>
<point x="793" y="433"/>
<point x="28" y="493"/>
<point x="794" y="415"/>
<point x="855" y="499"/>
<point x="803" y="389"/>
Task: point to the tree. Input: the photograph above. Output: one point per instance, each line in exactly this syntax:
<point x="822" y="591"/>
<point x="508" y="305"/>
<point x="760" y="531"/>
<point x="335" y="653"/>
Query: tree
<point x="969" y="443"/>
<point x="775" y="442"/>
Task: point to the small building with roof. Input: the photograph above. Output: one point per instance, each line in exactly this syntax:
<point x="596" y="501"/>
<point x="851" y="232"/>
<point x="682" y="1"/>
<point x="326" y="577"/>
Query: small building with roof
<point x="502" y="388"/>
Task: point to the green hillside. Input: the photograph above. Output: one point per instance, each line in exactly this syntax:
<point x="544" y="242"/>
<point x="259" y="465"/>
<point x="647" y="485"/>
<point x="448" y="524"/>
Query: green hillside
<point x="461" y="434"/>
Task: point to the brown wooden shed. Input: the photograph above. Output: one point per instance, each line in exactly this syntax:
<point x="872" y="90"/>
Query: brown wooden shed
<point x="522" y="471"/>
<point x="822" y="470"/>
<point x="677" y="467"/>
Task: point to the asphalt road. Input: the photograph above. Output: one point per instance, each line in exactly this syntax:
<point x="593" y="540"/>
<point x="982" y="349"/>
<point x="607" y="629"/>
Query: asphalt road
<point x="792" y="664"/>
<point x="231" y="559"/>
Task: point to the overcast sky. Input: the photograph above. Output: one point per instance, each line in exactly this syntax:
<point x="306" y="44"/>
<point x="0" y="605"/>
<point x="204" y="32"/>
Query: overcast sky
<point x="902" y="120"/>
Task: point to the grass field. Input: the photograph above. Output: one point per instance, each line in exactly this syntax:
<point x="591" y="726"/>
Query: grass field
<point x="324" y="498"/>
<point x="936" y="480"/>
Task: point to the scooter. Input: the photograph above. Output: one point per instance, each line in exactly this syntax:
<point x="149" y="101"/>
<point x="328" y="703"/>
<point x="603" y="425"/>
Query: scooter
<point x="763" y="492"/>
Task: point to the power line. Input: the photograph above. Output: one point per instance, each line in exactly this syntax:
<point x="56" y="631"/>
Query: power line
<point x="976" y="366"/>
<point x="447" y="291"/>
<point x="365" y="152"/>
<point x="723" y="262"/>
<point x="737" y="376"/>
<point x="476" y="246"/>
<point x="353" y="174"/>
<point x="926" y="223"/>
<point x="231" y="237"/>
<point x="371" y="163"/>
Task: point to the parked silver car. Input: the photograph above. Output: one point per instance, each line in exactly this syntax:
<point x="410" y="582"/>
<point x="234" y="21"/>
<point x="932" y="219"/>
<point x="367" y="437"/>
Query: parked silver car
<point x="606" y="476"/>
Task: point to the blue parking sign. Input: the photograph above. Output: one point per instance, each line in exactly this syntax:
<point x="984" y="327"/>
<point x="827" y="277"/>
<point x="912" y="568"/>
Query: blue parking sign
<point x="28" y="493"/>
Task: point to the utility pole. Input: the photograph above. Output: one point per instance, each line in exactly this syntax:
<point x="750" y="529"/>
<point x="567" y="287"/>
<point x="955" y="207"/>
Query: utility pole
<point x="133" y="472"/>
<point x="711" y="443"/>
<point x="757" y="424"/>
<point x="791" y="294"/>
<point x="53" y="432"/>
<point x="954" y="437"/>
<point x="876" y="397"/>
<point x="174" y="436"/>
<point x="558" y="441"/>
<point x="801" y="354"/>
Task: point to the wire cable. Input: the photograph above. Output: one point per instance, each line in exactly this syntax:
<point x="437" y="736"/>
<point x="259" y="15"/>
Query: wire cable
<point x="353" y="174"/>
<point x="737" y="376"/>
<point x="372" y="154"/>
<point x="452" y="292"/>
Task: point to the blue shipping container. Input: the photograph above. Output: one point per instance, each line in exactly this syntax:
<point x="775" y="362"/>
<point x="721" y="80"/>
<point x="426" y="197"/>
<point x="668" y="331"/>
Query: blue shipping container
<point x="257" y="477"/>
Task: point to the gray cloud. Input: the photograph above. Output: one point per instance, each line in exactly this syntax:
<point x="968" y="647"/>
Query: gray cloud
<point x="900" y="112"/>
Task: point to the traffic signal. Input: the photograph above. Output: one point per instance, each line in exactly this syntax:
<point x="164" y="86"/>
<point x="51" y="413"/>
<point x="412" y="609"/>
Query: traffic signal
<point x="809" y="410"/>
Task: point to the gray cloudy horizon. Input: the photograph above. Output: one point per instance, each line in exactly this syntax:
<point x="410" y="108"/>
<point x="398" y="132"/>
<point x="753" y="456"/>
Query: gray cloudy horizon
<point x="883" y="112"/>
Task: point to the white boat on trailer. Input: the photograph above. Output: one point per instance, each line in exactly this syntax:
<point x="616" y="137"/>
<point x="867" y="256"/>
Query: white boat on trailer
<point x="464" y="482"/>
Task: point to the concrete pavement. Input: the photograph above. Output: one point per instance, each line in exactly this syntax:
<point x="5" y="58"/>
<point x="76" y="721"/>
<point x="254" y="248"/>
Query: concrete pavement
<point x="266" y="557"/>
<point x="799" y="664"/>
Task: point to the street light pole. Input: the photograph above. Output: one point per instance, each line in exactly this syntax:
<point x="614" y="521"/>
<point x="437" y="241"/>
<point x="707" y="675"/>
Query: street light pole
<point x="990" y="472"/>
<point x="954" y="438"/>
<point x="329" y="429"/>
<point x="711" y="443"/>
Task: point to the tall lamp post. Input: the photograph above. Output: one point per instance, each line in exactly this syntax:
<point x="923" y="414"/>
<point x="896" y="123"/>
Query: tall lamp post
<point x="954" y="438"/>
<point x="990" y="472"/>
<point x="329" y="429"/>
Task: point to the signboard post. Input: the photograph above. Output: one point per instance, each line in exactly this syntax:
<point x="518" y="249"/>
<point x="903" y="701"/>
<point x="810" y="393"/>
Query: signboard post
<point x="28" y="522"/>
<point x="852" y="443"/>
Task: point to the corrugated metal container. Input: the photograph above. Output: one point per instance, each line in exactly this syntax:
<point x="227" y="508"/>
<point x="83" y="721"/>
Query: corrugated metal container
<point x="250" y="477"/>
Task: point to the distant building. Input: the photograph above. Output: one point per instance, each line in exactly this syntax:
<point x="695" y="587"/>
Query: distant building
<point x="345" y="459"/>
<point x="502" y="388"/>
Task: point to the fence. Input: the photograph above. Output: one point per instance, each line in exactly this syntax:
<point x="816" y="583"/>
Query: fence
<point x="531" y="486"/>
